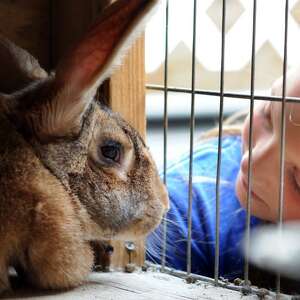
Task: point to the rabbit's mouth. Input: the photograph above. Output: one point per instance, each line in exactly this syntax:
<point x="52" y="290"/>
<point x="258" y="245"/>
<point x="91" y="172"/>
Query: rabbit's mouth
<point x="141" y="227"/>
<point x="136" y="229"/>
<point x="134" y="232"/>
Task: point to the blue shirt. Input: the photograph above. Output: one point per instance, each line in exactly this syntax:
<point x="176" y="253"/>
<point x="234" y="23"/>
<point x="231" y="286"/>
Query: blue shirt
<point x="232" y="215"/>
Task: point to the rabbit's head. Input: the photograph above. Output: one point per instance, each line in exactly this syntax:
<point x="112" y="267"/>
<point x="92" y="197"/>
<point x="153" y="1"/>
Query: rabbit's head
<point x="96" y="156"/>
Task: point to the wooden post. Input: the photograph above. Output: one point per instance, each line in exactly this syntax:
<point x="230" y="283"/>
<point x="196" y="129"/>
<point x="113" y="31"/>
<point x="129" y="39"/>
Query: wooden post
<point x="127" y="88"/>
<point x="127" y="96"/>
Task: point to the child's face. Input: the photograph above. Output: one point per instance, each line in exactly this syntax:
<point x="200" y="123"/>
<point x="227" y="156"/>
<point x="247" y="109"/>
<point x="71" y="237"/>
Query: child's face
<point x="266" y="162"/>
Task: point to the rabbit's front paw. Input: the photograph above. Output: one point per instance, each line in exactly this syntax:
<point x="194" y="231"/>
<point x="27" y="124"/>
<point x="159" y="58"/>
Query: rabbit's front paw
<point x="102" y="255"/>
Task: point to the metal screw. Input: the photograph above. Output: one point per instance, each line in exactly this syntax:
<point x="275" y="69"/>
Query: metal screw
<point x="130" y="247"/>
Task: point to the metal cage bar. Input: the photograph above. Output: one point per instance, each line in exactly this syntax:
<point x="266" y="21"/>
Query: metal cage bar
<point x="192" y="129"/>
<point x="219" y="161"/>
<point x="226" y="95"/>
<point x="163" y="260"/>
<point x="260" y="292"/>
<point x="250" y="142"/>
<point x="282" y="133"/>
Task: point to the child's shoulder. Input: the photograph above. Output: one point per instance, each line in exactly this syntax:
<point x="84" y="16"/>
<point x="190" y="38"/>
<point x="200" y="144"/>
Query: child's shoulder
<point x="207" y="150"/>
<point x="228" y="143"/>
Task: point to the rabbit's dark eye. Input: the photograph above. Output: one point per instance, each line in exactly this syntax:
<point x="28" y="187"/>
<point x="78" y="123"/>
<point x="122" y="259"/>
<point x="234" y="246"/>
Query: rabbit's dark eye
<point x="111" y="151"/>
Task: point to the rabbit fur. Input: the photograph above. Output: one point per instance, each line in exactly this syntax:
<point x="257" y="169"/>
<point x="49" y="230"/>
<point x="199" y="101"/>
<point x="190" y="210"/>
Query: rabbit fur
<point x="71" y="170"/>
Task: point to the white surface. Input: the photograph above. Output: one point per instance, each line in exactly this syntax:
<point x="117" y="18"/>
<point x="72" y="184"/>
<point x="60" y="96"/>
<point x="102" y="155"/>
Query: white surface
<point x="276" y="250"/>
<point x="179" y="105"/>
<point x="123" y="286"/>
<point x="238" y="38"/>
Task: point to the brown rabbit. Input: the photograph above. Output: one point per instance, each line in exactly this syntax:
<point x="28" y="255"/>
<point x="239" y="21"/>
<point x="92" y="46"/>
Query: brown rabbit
<point x="71" y="170"/>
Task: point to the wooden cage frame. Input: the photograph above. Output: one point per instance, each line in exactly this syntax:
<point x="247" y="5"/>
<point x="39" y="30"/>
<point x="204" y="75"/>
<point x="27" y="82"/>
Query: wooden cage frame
<point x="47" y="28"/>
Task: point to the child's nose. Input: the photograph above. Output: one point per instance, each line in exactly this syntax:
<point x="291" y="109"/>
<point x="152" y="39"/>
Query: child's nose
<point x="264" y="157"/>
<point x="244" y="162"/>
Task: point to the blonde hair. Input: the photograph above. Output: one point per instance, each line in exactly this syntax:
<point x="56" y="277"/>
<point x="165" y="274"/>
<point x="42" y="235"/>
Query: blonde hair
<point x="231" y="126"/>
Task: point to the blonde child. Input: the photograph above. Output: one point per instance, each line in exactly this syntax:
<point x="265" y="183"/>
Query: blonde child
<point x="233" y="188"/>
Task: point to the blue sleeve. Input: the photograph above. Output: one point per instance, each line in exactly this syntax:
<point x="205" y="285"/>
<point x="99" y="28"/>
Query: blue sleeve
<point x="232" y="215"/>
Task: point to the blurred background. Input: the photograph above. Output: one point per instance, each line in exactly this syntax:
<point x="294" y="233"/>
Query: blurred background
<point x="238" y="43"/>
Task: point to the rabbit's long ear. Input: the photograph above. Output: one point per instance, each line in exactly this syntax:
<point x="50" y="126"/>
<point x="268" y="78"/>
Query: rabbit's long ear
<point x="18" y="67"/>
<point x="92" y="60"/>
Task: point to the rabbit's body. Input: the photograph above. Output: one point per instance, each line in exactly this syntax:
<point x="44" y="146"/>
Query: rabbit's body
<point x="42" y="226"/>
<point x="71" y="172"/>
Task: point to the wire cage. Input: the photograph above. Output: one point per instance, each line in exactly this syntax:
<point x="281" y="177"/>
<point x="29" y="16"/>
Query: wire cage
<point x="250" y="98"/>
<point x="209" y="84"/>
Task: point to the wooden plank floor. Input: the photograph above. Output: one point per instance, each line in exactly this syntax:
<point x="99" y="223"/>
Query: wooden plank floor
<point x="138" y="285"/>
